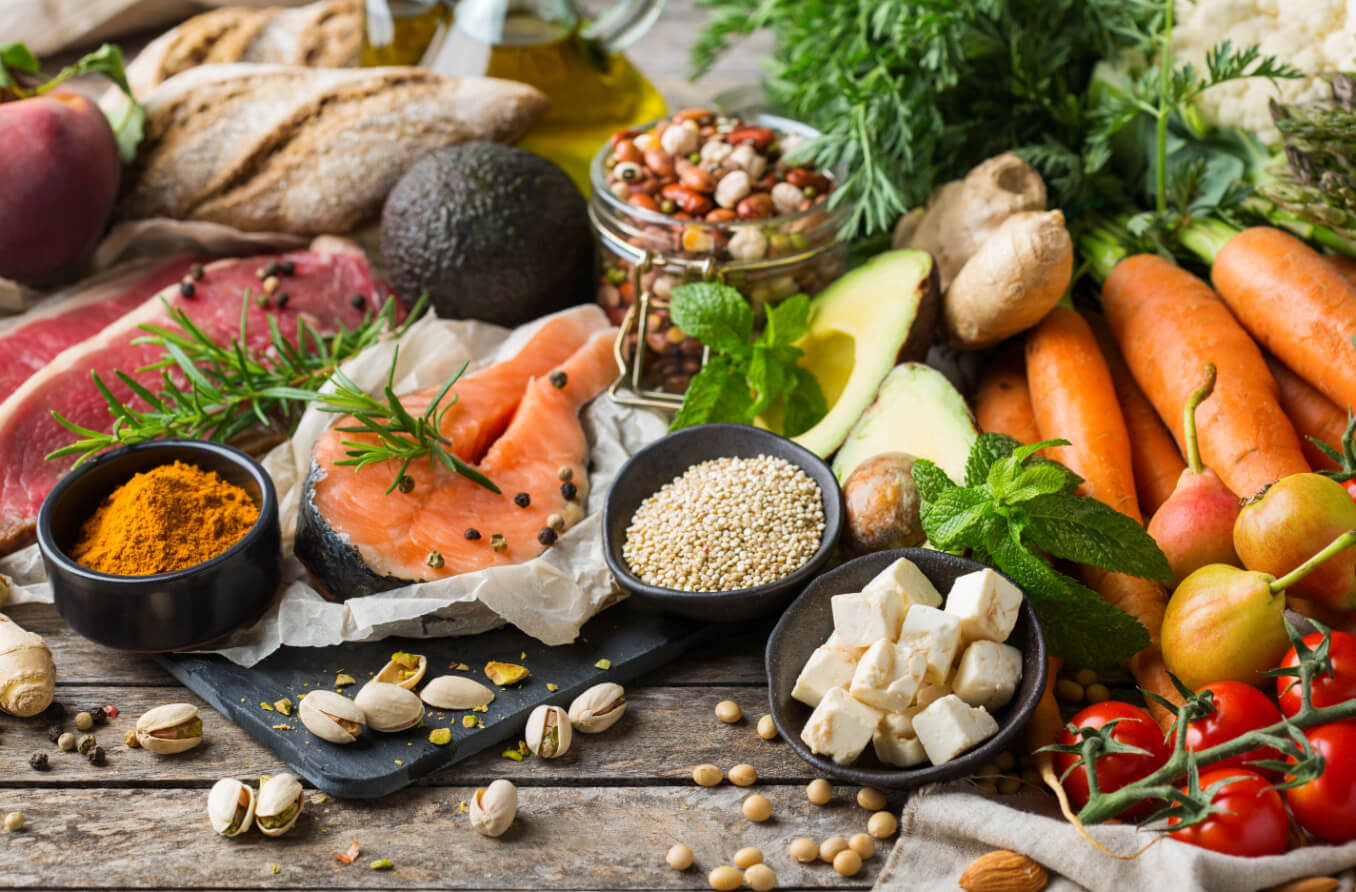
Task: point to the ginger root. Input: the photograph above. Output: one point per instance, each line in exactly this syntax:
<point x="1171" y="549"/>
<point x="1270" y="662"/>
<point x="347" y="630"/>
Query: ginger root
<point x="27" y="672"/>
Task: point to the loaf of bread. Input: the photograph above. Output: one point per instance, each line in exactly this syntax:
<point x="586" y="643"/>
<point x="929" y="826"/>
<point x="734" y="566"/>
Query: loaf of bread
<point x="326" y="34"/>
<point x="271" y="148"/>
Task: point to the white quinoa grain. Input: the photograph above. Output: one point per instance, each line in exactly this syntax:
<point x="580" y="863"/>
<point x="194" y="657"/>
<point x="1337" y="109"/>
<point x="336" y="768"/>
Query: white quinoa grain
<point x="727" y="524"/>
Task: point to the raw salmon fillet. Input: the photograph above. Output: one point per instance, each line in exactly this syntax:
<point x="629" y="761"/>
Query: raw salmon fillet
<point x="513" y="423"/>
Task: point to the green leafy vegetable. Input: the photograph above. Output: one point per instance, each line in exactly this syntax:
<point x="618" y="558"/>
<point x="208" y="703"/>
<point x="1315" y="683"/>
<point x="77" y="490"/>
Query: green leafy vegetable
<point x="744" y="378"/>
<point x="1015" y="505"/>
<point x="15" y="57"/>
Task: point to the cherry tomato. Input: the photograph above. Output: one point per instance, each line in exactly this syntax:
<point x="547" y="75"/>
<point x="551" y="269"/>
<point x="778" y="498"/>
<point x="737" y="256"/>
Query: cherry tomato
<point x="1328" y="690"/>
<point x="1253" y="821"/>
<point x="1239" y="708"/>
<point x="1351" y="487"/>
<point x="1117" y="769"/>
<point x="1326" y="806"/>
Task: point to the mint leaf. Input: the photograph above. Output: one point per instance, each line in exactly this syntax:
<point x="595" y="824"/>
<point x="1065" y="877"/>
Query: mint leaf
<point x="787" y="321"/>
<point x="803" y="405"/>
<point x="715" y="314"/>
<point x="767" y="378"/>
<point x="16" y="57"/>
<point x="988" y="449"/>
<point x="952" y="520"/>
<point x="717" y="393"/>
<point x="1037" y="480"/>
<point x="930" y="480"/>
<point x="1086" y="531"/>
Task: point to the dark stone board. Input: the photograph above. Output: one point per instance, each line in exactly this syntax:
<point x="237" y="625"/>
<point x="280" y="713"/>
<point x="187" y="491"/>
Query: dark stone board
<point x="636" y="639"/>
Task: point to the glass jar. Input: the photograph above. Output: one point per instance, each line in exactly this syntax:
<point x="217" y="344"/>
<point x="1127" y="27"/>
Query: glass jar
<point x="646" y="253"/>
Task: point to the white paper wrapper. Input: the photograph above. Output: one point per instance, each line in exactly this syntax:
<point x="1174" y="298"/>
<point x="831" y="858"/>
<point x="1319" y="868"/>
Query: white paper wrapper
<point x="549" y="597"/>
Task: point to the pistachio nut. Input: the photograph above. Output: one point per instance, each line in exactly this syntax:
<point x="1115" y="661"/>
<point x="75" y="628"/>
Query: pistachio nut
<point x="280" y="803"/>
<point x="172" y="728"/>
<point x="230" y="807"/>
<point x="331" y="716"/>
<point x="548" y="731"/>
<point x="505" y="674"/>
<point x="493" y="809"/>
<point x="598" y="708"/>
<point x="456" y="692"/>
<point x="388" y="707"/>
<point x="405" y="670"/>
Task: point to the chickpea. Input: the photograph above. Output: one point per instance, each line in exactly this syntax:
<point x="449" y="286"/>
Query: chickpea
<point x="804" y="849"/>
<point x="1007" y="785"/>
<point x="766" y="728"/>
<point x="760" y="878"/>
<point x="747" y="857"/>
<point x="819" y="791"/>
<point x="729" y="712"/>
<point x="1085" y="676"/>
<point x="743" y="775"/>
<point x="725" y="878"/>
<point x="863" y="844"/>
<point x="83" y="721"/>
<point x="757" y="808"/>
<point x="679" y="857"/>
<point x="882" y="825"/>
<point x="847" y="863"/>
<point x="829" y="848"/>
<point x="707" y="775"/>
<point x="1097" y="693"/>
<point x="1068" y="689"/>
<point x="871" y="800"/>
<point x="14" y="822"/>
<point x="1006" y="761"/>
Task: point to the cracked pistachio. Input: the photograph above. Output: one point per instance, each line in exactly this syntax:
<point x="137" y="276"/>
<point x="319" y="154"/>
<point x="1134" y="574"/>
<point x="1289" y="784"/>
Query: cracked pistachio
<point x="504" y="674"/>
<point x="230" y="807"/>
<point x="493" y="809"/>
<point x="332" y="716"/>
<point x="389" y="708"/>
<point x="598" y="708"/>
<point x="279" y="804"/>
<point x="440" y="736"/>
<point x="456" y="692"/>
<point x="172" y="728"/>
<point x="548" y="731"/>
<point x="405" y="670"/>
<point x="343" y="680"/>
<point x="284" y="705"/>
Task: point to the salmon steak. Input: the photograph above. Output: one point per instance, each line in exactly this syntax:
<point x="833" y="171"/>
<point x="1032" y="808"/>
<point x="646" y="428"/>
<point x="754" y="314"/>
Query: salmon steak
<point x="516" y="421"/>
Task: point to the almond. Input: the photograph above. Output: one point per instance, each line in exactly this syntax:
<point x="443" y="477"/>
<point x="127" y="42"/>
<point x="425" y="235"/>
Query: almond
<point x="1308" y="884"/>
<point x="1003" y="871"/>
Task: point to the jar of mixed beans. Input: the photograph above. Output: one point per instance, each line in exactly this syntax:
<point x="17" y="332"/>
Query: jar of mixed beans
<point x="704" y="196"/>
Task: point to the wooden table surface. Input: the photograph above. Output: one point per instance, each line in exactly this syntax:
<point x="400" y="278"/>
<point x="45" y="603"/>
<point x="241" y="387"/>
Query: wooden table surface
<point x="601" y="817"/>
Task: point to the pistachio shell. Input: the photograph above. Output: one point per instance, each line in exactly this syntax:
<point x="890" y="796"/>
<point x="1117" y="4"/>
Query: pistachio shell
<point x="456" y="692"/>
<point x="322" y="712"/>
<point x="279" y="797"/>
<point x="493" y="809"/>
<point x="392" y="673"/>
<point x="598" y="708"/>
<point x="170" y="728"/>
<point x="544" y="722"/>
<point x="389" y="707"/>
<point x="224" y="810"/>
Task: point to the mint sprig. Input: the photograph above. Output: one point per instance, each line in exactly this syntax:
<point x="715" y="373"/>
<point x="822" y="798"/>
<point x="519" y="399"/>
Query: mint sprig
<point x="746" y="375"/>
<point x="1017" y="507"/>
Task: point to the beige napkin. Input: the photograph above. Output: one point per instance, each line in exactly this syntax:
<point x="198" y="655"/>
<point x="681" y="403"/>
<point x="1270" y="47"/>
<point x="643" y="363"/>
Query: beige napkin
<point x="944" y="828"/>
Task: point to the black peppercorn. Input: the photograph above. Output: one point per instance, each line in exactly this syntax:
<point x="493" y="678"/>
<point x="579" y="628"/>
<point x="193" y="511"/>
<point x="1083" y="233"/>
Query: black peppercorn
<point x="54" y="711"/>
<point x="472" y="533"/>
<point x="272" y="269"/>
<point x="38" y="762"/>
<point x="405" y="484"/>
<point x="187" y="289"/>
<point x="280" y="299"/>
<point x="287" y="267"/>
<point x="522" y="500"/>
<point x="195" y="272"/>
<point x="569" y="491"/>
<point x="559" y="380"/>
<point x="357" y="301"/>
<point x="98" y="714"/>
<point x="547" y="536"/>
<point x="97" y="756"/>
<point x="54" y="733"/>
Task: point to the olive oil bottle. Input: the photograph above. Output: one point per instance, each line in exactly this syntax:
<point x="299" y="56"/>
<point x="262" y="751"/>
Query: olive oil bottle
<point x="400" y="32"/>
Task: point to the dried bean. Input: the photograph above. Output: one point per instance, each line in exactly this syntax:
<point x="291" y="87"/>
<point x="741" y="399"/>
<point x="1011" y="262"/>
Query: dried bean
<point x="626" y="151"/>
<point x="755" y="207"/>
<point x="698" y="180"/>
<point x="659" y="162"/>
<point x="690" y="202"/>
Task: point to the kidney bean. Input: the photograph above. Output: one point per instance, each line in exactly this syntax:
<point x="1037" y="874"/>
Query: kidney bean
<point x="621" y="135"/>
<point x="681" y="215"/>
<point x="721" y="215"/>
<point x="758" y="137"/>
<point x="800" y="176"/>
<point x="690" y="202"/>
<point x="659" y="162"/>
<point x="626" y="151"/>
<point x="698" y="180"/>
<point x="700" y="115"/>
<point x="643" y="200"/>
<point x="755" y="207"/>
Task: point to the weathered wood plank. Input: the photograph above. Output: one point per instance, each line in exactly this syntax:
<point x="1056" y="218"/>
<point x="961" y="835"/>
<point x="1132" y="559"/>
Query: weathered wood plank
<point x="564" y="838"/>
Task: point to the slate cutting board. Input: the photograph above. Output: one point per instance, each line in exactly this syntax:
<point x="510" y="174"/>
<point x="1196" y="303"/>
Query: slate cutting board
<point x="634" y="638"/>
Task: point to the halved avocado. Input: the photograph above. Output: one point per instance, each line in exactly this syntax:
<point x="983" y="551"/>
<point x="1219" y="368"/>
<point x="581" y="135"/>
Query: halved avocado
<point x="883" y="312"/>
<point x="916" y="411"/>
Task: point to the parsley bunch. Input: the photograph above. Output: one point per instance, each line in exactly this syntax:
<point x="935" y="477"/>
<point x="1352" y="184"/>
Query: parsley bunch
<point x="745" y="376"/>
<point x="1014" y="509"/>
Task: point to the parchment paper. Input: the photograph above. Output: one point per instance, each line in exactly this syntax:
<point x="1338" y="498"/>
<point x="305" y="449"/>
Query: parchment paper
<point x="549" y="597"/>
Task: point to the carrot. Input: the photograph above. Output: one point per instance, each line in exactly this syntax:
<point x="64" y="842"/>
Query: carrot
<point x="1153" y="453"/>
<point x="1002" y="403"/>
<point x="1169" y="325"/>
<point x="1296" y="303"/>
<point x="1345" y="265"/>
<point x="1312" y="413"/>
<point x="1074" y="399"/>
<point x="1043" y="728"/>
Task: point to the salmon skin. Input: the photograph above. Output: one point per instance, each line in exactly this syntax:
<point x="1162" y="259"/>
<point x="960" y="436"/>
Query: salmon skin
<point x="517" y="421"/>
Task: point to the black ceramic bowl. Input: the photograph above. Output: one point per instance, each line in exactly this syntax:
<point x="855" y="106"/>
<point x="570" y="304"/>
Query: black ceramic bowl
<point x="666" y="458"/>
<point x="808" y="621"/>
<point x="168" y="611"/>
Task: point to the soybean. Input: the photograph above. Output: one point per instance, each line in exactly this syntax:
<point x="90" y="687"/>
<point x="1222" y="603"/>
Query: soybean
<point x="679" y="857"/>
<point x="829" y="848"/>
<point x="819" y="791"/>
<point x="847" y="863"/>
<point x="760" y="878"/>
<point x="747" y="857"/>
<point x="725" y="878"/>
<point x="863" y="844"/>
<point x="757" y="808"/>
<point x="767" y="729"/>
<point x="804" y="849"/>
<point x="743" y="775"/>
<point x="707" y="775"/>
<point x="729" y="712"/>
<point x="882" y="825"/>
<point x="871" y="800"/>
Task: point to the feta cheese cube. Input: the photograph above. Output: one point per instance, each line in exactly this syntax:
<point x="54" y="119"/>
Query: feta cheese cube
<point x="949" y="727"/>
<point x="894" y="740"/>
<point x="828" y="667"/>
<point x="986" y="605"/>
<point x="930" y="693"/>
<point x="866" y="617"/>
<point x="840" y="727"/>
<point x="937" y="634"/>
<point x="887" y="676"/>
<point x="909" y="583"/>
<point x="988" y="674"/>
<point x="837" y="643"/>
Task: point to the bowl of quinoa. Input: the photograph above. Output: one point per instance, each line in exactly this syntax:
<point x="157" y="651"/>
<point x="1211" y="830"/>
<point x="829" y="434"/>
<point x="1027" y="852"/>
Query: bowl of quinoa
<point x="721" y="522"/>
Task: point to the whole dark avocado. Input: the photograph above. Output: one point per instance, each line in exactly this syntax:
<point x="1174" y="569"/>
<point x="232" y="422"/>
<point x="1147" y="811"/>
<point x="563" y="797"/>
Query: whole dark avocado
<point x="489" y="232"/>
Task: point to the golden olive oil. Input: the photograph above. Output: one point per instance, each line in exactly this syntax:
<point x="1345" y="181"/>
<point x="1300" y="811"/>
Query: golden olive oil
<point x="400" y="32"/>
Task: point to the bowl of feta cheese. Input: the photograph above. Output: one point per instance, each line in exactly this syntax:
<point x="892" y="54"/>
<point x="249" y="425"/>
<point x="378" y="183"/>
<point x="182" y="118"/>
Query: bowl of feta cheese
<point x="905" y="667"/>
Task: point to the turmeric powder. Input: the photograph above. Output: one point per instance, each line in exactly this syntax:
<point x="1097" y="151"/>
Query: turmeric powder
<point x="164" y="519"/>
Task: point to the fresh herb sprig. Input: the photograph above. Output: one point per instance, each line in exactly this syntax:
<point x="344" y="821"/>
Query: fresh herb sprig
<point x="746" y="376"/>
<point x="1016" y="507"/>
